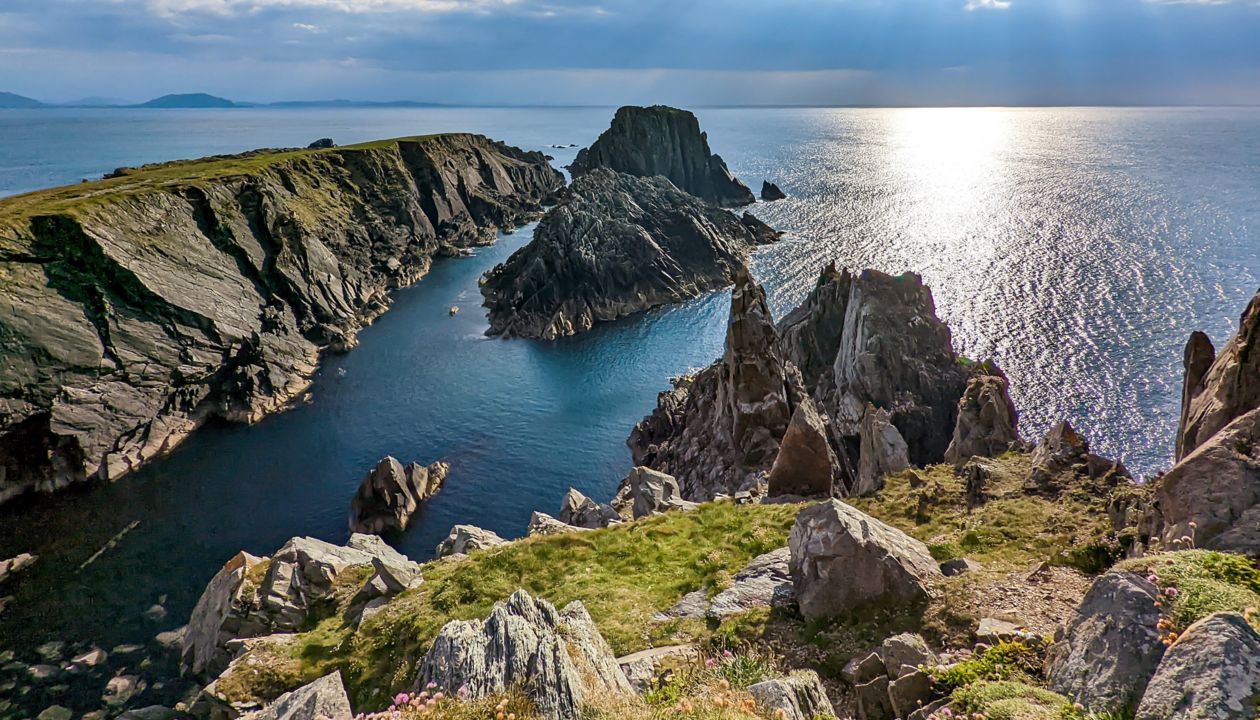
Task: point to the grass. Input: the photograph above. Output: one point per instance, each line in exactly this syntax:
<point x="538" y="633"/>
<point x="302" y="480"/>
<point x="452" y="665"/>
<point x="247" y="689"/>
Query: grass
<point x="1010" y="700"/>
<point x="1005" y="661"/>
<point x="1206" y="582"/>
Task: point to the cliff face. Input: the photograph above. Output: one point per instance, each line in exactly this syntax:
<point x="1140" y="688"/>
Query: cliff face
<point x="137" y="307"/>
<point x="1219" y="388"/>
<point x="665" y="141"/>
<point x="617" y="245"/>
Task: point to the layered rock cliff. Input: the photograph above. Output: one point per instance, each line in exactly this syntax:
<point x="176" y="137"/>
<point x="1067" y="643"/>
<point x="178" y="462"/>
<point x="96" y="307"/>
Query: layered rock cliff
<point x="666" y="141"/>
<point x="618" y="244"/>
<point x="1219" y="387"/>
<point x="137" y="307"/>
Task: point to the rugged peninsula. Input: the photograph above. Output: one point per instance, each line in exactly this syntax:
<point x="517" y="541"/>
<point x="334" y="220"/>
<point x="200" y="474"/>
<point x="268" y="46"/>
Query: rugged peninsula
<point x="137" y="307"/>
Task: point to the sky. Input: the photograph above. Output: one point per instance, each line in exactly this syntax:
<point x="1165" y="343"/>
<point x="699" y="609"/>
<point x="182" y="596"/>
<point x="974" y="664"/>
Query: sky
<point x="705" y="52"/>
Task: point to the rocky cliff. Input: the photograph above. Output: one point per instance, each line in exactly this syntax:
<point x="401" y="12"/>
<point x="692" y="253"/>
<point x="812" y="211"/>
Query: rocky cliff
<point x="617" y="244"/>
<point x="139" y="306"/>
<point x="661" y="140"/>
<point x="1219" y="388"/>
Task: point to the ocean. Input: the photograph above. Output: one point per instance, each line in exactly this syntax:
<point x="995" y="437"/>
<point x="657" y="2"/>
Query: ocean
<point x="1077" y="247"/>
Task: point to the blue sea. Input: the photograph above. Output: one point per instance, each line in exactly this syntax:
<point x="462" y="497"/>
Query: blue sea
<point x="1077" y="247"/>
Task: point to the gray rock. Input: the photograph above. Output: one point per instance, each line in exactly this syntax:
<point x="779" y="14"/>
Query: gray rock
<point x="90" y="659"/>
<point x="927" y="711"/>
<point x="843" y="559"/>
<point x="558" y="658"/>
<point x="651" y="492"/>
<point x="659" y="140"/>
<point x="987" y="422"/>
<point x="872" y="701"/>
<point x="801" y="696"/>
<point x="1111" y="647"/>
<point x="122" y="688"/>
<point x="390" y="494"/>
<point x="51" y="651"/>
<point x="543" y="524"/>
<point x="617" y="245"/>
<point x="1065" y="450"/>
<point x="806" y="464"/>
<point x="991" y="631"/>
<point x="883" y="451"/>
<point x="771" y="192"/>
<point x="580" y="511"/>
<point x="16" y="563"/>
<point x="55" y="712"/>
<point x="323" y="698"/>
<point x="152" y="712"/>
<point x="464" y="539"/>
<point x="864" y="668"/>
<point x="694" y="604"/>
<point x="959" y="566"/>
<point x="43" y="672"/>
<point x="906" y="650"/>
<point x="1228" y="389"/>
<point x="764" y="582"/>
<point x="1197" y="360"/>
<point x="641" y="667"/>
<point x="909" y="692"/>
<point x="1212" y="671"/>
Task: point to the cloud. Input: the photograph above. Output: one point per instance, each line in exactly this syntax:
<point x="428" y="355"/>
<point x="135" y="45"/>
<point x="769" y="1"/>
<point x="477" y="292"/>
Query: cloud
<point x="230" y="8"/>
<point x="973" y="5"/>
<point x="307" y="27"/>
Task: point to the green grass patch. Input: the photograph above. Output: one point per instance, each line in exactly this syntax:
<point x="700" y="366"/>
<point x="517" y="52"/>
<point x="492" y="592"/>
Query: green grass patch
<point x="1004" y="661"/>
<point x="1010" y="700"/>
<point x="1206" y="582"/>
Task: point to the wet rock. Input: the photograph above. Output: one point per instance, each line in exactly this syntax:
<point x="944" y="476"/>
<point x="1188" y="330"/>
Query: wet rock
<point x="617" y="245"/>
<point x="391" y="493"/>
<point x="172" y="639"/>
<point x="651" y="492"/>
<point x="764" y="582"/>
<point x="155" y="613"/>
<point x="771" y="192"/>
<point x="987" y="423"/>
<point x="559" y="658"/>
<point x="580" y="511"/>
<point x="1110" y="648"/>
<point x="799" y="696"/>
<point x="843" y="559"/>
<point x="882" y="451"/>
<point x="323" y="698"/>
<point x="1229" y="387"/>
<point x="659" y="140"/>
<point x="16" y="564"/>
<point x="1212" y="671"/>
<point x="806" y="464"/>
<point x="464" y="539"/>
<point x="43" y="672"/>
<point x="90" y="659"/>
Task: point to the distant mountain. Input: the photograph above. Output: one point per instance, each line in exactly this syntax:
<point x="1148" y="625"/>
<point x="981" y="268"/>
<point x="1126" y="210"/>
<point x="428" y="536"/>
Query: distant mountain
<point x="10" y="100"/>
<point x="189" y="100"/>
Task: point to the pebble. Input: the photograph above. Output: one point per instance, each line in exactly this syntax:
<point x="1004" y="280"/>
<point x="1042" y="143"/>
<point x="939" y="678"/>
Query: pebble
<point x="127" y="649"/>
<point x="121" y="689"/>
<point x="43" y="672"/>
<point x="51" y="651"/>
<point x="55" y="712"/>
<point x="91" y="658"/>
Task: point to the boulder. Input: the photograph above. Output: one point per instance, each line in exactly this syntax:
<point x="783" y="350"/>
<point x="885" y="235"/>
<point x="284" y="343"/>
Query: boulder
<point x="323" y="699"/>
<point x="872" y="701"/>
<point x="659" y="140"/>
<point x="906" y="650"/>
<point x="992" y="631"/>
<point x="16" y="564"/>
<point x="543" y="524"/>
<point x="464" y="539"/>
<point x="641" y="667"/>
<point x="1213" y="495"/>
<point x="863" y="668"/>
<point x="844" y="560"/>
<point x="771" y="192"/>
<point x="1111" y="646"/>
<point x="219" y="617"/>
<point x="616" y="245"/>
<point x="959" y="566"/>
<point x="651" y="492"/>
<point x="390" y="493"/>
<point x="1212" y="671"/>
<point x="322" y="144"/>
<point x="581" y="511"/>
<point x="987" y="423"/>
<point x="764" y="582"/>
<point x="1064" y="456"/>
<point x="909" y="691"/>
<point x="882" y="451"/>
<point x="799" y="696"/>
<point x="1228" y="389"/>
<point x="55" y="712"/>
<point x="806" y="465"/>
<point x="558" y="658"/>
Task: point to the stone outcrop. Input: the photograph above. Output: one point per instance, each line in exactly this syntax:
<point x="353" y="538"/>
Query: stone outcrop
<point x="390" y="493"/>
<point x="558" y="658"/>
<point x="1064" y="457"/>
<point x="659" y="140"/>
<point x="764" y="582"/>
<point x="806" y="464"/>
<point x="617" y="245"/>
<point x="1212" y="671"/>
<point x="651" y="492"/>
<point x="543" y="524"/>
<point x="580" y="511"/>
<point x="881" y="451"/>
<point x="800" y="696"/>
<point x="1228" y="389"/>
<point x="139" y="307"/>
<point x="771" y="192"/>
<point x="987" y="422"/>
<point x="844" y="560"/>
<point x="464" y="539"/>
<point x="323" y="699"/>
<point x="1111" y="647"/>
<point x="1213" y="495"/>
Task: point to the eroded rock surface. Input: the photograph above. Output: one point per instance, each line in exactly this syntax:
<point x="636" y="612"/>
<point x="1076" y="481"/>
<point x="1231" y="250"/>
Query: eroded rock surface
<point x="1211" y="672"/>
<point x="580" y="511"/>
<point x="1064" y="456"/>
<point x="1228" y="389"/>
<point x="323" y="699"/>
<point x="882" y="451"/>
<point x="651" y="492"/>
<point x="800" y="696"/>
<point x="987" y="422"/>
<point x="463" y="539"/>
<point x="390" y="493"/>
<point x="806" y="464"/>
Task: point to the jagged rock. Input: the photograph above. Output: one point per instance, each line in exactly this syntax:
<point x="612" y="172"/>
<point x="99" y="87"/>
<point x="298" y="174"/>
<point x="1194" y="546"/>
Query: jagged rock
<point x="1228" y="389"/>
<point x="1213" y="495"/>
<point x="755" y="395"/>
<point x="543" y="524"/>
<point x="977" y="478"/>
<point x="323" y="699"/>
<point x="1212" y="671"/>
<point x="90" y="659"/>
<point x="906" y="650"/>
<point x="390" y="493"/>
<point x="806" y="464"/>
<point x="640" y="668"/>
<point x="800" y="696"/>
<point x="659" y="140"/>
<point x="1110" y="648"/>
<point x="843" y="559"/>
<point x="764" y="582"/>
<point x="987" y="423"/>
<point x="864" y="668"/>
<point x="617" y="245"/>
<point x="322" y="144"/>
<point x="222" y="285"/>
<point x="652" y="492"/>
<point x="873" y="702"/>
<point x="390" y="579"/>
<point x="16" y="564"/>
<point x="464" y="539"/>
<point x="218" y="617"/>
<point x="580" y="511"/>
<point x="882" y="451"/>
<point x="771" y="192"/>
<point x="558" y="658"/>
<point x="909" y="691"/>
<point x="1063" y="451"/>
